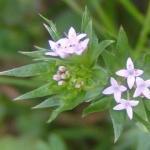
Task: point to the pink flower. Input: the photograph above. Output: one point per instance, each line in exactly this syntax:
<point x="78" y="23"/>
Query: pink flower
<point x="127" y="105"/>
<point x="142" y="88"/>
<point x="76" y="43"/>
<point x="130" y="73"/>
<point x="115" y="89"/>
<point x="59" y="48"/>
<point x="73" y="44"/>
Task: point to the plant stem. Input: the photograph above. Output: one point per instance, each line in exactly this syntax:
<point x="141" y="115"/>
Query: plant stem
<point x="144" y="32"/>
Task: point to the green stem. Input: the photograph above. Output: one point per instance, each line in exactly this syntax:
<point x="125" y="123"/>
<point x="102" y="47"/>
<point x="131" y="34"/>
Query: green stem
<point x="143" y="37"/>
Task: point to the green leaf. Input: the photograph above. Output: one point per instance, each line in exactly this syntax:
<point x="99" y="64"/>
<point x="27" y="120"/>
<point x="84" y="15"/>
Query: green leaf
<point x="40" y="52"/>
<point x="118" y="120"/>
<point x="39" y="92"/>
<point x="51" y="28"/>
<point x="55" y="113"/>
<point x="110" y="63"/>
<point x="85" y="19"/>
<point x="50" y="102"/>
<point x="98" y="106"/>
<point x="28" y="70"/>
<point x="68" y="104"/>
<point x="101" y="47"/>
<point x="123" y="48"/>
<point x="140" y="111"/>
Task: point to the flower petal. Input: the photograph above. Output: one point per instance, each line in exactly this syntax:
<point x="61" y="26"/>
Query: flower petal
<point x="123" y="88"/>
<point x="146" y="93"/>
<point x="122" y="73"/>
<point x="138" y="72"/>
<point x="81" y="36"/>
<point x="117" y="96"/>
<point x="147" y="83"/>
<point x="52" y="44"/>
<point x="133" y="102"/>
<point x="137" y="92"/>
<point x="130" y="81"/>
<point x="129" y="112"/>
<point x="108" y="90"/>
<point x="119" y="107"/>
<point x="130" y="65"/>
<point x="139" y="81"/>
<point x="113" y="82"/>
<point x="51" y="54"/>
<point x="72" y="33"/>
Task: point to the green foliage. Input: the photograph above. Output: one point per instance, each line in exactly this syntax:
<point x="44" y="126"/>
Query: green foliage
<point x="118" y="120"/>
<point x="92" y="69"/>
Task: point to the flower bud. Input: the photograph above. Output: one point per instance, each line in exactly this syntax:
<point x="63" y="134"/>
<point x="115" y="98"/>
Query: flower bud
<point x="56" y="77"/>
<point x="61" y="82"/>
<point x="62" y="68"/>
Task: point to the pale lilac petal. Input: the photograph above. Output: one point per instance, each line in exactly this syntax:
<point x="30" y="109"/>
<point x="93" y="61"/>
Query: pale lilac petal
<point x="139" y="81"/>
<point x="119" y="107"/>
<point x="138" y="72"/>
<point x="72" y="33"/>
<point x="52" y="44"/>
<point x="51" y="54"/>
<point x="62" y="42"/>
<point x="123" y="88"/>
<point x="130" y="65"/>
<point x="137" y="92"/>
<point x="81" y="47"/>
<point x="146" y="93"/>
<point x="147" y="83"/>
<point x="129" y="112"/>
<point x="117" y="96"/>
<point x="81" y="36"/>
<point x="84" y="43"/>
<point x="62" y="54"/>
<point x="113" y="82"/>
<point x="108" y="90"/>
<point x="133" y="102"/>
<point x="122" y="73"/>
<point x="130" y="81"/>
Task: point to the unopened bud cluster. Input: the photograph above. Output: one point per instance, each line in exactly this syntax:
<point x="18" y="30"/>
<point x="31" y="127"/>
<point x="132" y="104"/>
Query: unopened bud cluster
<point x="62" y="75"/>
<point x="78" y="84"/>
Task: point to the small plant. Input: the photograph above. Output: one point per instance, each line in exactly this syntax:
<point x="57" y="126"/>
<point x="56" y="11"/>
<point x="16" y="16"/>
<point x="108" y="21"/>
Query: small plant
<point x="76" y="69"/>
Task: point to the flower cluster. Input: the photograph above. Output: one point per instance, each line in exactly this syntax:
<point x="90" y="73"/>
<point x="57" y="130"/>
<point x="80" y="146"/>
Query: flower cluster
<point x="142" y="88"/>
<point x="73" y="43"/>
<point x="61" y="75"/>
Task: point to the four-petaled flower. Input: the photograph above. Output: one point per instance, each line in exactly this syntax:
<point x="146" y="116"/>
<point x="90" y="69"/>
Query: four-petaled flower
<point x="115" y="89"/>
<point x="127" y="105"/>
<point x="130" y="73"/>
<point x="72" y="44"/>
<point x="142" y="88"/>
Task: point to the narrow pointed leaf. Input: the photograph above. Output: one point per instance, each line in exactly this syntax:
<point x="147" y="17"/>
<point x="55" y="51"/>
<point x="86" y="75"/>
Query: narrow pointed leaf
<point x="28" y="70"/>
<point x="39" y="92"/>
<point x="85" y="19"/>
<point x="118" y="120"/>
<point x="101" y="47"/>
<point x="51" y="28"/>
<point x="98" y="106"/>
<point x="50" y="102"/>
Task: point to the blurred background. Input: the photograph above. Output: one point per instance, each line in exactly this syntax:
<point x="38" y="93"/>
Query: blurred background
<point x="22" y="128"/>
